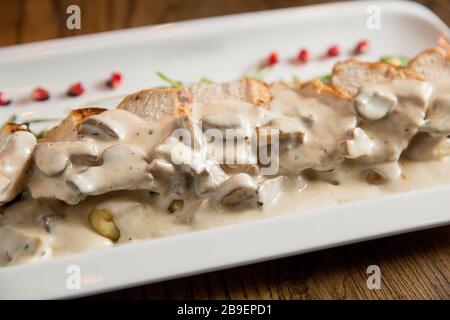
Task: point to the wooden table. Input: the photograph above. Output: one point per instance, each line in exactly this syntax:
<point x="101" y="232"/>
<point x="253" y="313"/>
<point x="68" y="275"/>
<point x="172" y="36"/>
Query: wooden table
<point x="413" y="266"/>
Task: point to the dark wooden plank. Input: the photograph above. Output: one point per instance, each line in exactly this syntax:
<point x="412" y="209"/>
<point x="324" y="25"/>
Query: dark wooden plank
<point x="10" y="22"/>
<point x="33" y="20"/>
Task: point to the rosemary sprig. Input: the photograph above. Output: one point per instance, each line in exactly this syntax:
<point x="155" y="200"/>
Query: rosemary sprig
<point x="40" y="120"/>
<point x="173" y="83"/>
<point x="259" y="74"/>
<point x="296" y="78"/>
<point x="326" y="79"/>
<point x="205" y="80"/>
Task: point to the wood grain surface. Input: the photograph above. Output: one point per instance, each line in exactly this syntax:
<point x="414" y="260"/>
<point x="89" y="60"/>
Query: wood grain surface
<point x="413" y="266"/>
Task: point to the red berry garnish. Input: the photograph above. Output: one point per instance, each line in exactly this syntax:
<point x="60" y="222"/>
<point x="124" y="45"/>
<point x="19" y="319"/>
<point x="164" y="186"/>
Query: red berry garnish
<point x="4" y="99"/>
<point x="76" y="90"/>
<point x="40" y="94"/>
<point x="303" y="55"/>
<point x="273" y="58"/>
<point x="362" y="47"/>
<point x="334" y="51"/>
<point x="115" y="80"/>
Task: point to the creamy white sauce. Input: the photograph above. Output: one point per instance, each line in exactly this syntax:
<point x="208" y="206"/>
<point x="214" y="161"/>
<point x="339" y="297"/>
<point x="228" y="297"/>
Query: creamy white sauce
<point x="155" y="184"/>
<point x="137" y="216"/>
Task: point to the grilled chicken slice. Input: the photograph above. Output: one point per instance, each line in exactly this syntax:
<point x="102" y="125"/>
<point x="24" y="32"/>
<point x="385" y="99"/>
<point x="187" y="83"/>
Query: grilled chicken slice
<point x="432" y="64"/>
<point x="16" y="148"/>
<point x="158" y="103"/>
<point x="243" y="90"/>
<point x="350" y="75"/>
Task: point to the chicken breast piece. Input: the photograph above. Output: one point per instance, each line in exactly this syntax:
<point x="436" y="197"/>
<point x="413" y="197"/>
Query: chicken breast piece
<point x="350" y="75"/>
<point x="243" y="90"/>
<point x="158" y="103"/>
<point x="432" y="64"/>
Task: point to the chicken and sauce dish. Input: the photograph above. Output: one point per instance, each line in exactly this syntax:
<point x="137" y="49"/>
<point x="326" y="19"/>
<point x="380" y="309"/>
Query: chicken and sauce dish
<point x="173" y="160"/>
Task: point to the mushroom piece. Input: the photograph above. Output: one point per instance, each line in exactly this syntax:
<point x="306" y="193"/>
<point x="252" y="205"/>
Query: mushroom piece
<point x="51" y="158"/>
<point x="270" y="190"/>
<point x="232" y="169"/>
<point x="162" y="167"/>
<point x="176" y="205"/>
<point x="102" y="126"/>
<point x="288" y="132"/>
<point x="123" y="167"/>
<point x="189" y="160"/>
<point x="193" y="136"/>
<point x="209" y="179"/>
<point x="219" y="121"/>
<point x="238" y="189"/>
<point x="384" y="172"/>
<point x="23" y="235"/>
<point x="68" y="128"/>
<point x="233" y="127"/>
<point x="374" y="105"/>
<point x="169" y="180"/>
<point x="357" y="145"/>
<point x="16" y="148"/>
<point x="437" y="121"/>
<point x="17" y="245"/>
<point x="426" y="147"/>
<point x="54" y="162"/>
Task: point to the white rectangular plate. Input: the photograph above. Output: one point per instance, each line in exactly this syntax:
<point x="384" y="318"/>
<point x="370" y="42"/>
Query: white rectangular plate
<point x="220" y="48"/>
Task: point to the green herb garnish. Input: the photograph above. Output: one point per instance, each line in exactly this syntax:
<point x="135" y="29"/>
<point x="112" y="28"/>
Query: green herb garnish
<point x="326" y="79"/>
<point x="39" y="120"/>
<point x="296" y="78"/>
<point x="399" y="61"/>
<point x="259" y="74"/>
<point x="173" y="83"/>
<point x="206" y="80"/>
